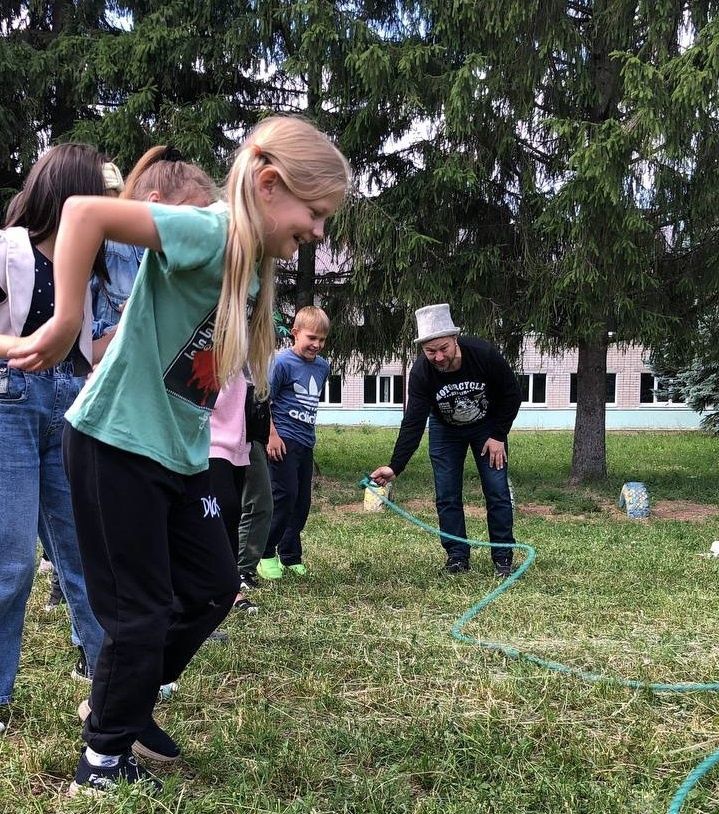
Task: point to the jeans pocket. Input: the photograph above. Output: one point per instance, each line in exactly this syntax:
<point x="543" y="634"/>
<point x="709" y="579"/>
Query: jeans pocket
<point x="13" y="384"/>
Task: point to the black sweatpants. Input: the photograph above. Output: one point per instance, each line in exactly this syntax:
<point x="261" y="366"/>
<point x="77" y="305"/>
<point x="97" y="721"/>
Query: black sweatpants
<point x="291" y="498"/>
<point x="228" y="482"/>
<point x="159" y="572"/>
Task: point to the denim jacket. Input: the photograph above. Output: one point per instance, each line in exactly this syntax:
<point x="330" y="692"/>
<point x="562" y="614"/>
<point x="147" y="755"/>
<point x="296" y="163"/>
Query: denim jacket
<point x="122" y="262"/>
<point x="17" y="279"/>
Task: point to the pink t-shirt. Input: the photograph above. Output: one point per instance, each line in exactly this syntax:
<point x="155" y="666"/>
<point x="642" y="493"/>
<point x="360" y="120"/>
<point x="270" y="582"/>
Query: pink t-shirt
<point x="227" y="424"/>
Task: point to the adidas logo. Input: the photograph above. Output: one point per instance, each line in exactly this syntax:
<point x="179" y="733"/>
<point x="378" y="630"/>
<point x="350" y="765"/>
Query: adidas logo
<point x="309" y="397"/>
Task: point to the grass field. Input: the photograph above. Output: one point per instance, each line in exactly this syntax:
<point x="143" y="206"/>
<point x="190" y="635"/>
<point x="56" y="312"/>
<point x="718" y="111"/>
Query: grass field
<point x="347" y="695"/>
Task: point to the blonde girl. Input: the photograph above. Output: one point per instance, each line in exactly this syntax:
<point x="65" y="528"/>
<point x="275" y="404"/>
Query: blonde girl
<point x="158" y="564"/>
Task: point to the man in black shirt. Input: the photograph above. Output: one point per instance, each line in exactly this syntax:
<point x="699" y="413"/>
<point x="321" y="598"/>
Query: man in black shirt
<point x="471" y="397"/>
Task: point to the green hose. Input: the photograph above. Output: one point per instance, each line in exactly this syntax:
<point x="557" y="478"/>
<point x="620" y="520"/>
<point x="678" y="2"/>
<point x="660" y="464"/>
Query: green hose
<point x="555" y="666"/>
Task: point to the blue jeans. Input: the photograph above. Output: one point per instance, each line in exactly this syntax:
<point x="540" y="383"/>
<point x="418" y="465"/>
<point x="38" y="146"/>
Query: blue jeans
<point x="447" y="451"/>
<point x="35" y="501"/>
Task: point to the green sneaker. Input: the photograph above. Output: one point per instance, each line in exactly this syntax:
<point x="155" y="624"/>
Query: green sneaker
<point x="298" y="569"/>
<point x="271" y="568"/>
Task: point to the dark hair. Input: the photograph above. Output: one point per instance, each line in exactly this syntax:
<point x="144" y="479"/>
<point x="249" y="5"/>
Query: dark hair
<point x="64" y="170"/>
<point x="13" y="206"/>
<point x="163" y="169"/>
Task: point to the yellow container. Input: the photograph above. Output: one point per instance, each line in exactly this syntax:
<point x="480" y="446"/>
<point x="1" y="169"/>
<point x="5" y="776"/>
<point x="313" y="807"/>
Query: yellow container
<point x="372" y="502"/>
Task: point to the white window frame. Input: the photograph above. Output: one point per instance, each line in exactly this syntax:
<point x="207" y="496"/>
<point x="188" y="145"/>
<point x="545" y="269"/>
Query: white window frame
<point x="384" y="404"/>
<point x="325" y="400"/>
<point x="654" y="402"/>
<point x="530" y="392"/>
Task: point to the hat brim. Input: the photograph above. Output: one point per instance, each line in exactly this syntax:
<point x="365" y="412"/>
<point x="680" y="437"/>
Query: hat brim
<point x="421" y="339"/>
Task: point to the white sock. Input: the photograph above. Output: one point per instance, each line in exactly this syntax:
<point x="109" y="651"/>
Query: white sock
<point x="101" y="761"/>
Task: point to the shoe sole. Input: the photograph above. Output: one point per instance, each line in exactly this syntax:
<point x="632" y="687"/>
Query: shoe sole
<point x="248" y="611"/>
<point x="75" y="676"/>
<point x="82" y="790"/>
<point x="83" y="711"/>
<point x="141" y="751"/>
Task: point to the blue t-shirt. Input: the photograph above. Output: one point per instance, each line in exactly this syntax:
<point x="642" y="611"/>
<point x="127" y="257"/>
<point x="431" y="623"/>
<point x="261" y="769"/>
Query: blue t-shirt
<point x="295" y="387"/>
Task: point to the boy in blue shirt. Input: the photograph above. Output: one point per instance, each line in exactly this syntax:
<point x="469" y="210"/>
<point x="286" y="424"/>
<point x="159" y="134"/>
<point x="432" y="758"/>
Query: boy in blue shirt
<point x="297" y="378"/>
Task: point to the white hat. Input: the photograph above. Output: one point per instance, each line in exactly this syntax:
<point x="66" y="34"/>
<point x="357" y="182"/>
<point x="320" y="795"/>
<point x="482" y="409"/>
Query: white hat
<point x="434" y="321"/>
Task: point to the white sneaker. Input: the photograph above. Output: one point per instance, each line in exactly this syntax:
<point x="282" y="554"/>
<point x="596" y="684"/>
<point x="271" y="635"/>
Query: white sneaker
<point x="45" y="566"/>
<point x="166" y="691"/>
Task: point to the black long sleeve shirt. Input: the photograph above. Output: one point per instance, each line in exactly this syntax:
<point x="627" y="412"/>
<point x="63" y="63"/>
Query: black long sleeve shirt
<point x="483" y="394"/>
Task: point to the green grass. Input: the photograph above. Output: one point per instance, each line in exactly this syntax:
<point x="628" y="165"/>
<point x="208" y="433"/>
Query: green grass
<point x="346" y="695"/>
<point x="673" y="465"/>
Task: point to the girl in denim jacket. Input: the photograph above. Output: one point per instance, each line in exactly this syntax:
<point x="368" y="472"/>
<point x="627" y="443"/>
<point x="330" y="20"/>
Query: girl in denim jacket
<point x="160" y="176"/>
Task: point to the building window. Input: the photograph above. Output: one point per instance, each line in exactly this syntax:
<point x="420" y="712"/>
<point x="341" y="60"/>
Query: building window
<point x="533" y="387"/>
<point x="610" y="393"/>
<point x="383" y="389"/>
<point x="647" y="391"/>
<point x="332" y="391"/>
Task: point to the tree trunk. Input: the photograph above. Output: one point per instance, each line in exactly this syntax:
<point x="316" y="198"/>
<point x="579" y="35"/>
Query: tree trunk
<point x="589" y="456"/>
<point x="305" y="293"/>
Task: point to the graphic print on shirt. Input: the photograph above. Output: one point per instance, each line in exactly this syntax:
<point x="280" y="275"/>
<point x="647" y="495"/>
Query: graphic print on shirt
<point x="309" y="399"/>
<point x="463" y="402"/>
<point x="191" y="374"/>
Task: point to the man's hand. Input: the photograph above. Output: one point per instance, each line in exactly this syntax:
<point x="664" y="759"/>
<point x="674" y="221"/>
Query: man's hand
<point x="47" y="346"/>
<point x="497" y="453"/>
<point x="276" y="448"/>
<point x="383" y="475"/>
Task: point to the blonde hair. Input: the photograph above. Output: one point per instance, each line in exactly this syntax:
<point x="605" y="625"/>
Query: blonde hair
<point x="311" y="167"/>
<point x="311" y="316"/>
<point x="162" y="169"/>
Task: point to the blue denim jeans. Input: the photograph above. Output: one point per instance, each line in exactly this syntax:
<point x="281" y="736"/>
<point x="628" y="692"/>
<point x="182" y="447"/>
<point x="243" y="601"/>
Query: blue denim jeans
<point x="35" y="501"/>
<point x="447" y="451"/>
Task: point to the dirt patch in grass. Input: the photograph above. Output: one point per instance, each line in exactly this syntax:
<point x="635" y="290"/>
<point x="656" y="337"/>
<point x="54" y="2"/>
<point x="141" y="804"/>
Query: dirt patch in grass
<point x="682" y="510"/>
<point x="538" y="509"/>
<point x="661" y="510"/>
<point x="417" y="506"/>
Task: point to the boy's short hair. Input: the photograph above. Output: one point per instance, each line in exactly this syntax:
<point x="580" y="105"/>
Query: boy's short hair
<point x="311" y="316"/>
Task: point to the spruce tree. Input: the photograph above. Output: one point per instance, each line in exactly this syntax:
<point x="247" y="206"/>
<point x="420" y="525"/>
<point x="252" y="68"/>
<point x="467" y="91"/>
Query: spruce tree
<point x="688" y="370"/>
<point x="565" y="185"/>
<point x="45" y="88"/>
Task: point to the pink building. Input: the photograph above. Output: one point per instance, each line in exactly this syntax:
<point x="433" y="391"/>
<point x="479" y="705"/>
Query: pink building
<point x="549" y="394"/>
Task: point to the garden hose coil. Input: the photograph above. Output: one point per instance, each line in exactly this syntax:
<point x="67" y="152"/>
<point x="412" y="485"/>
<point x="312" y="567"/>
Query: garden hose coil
<point x="514" y="653"/>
